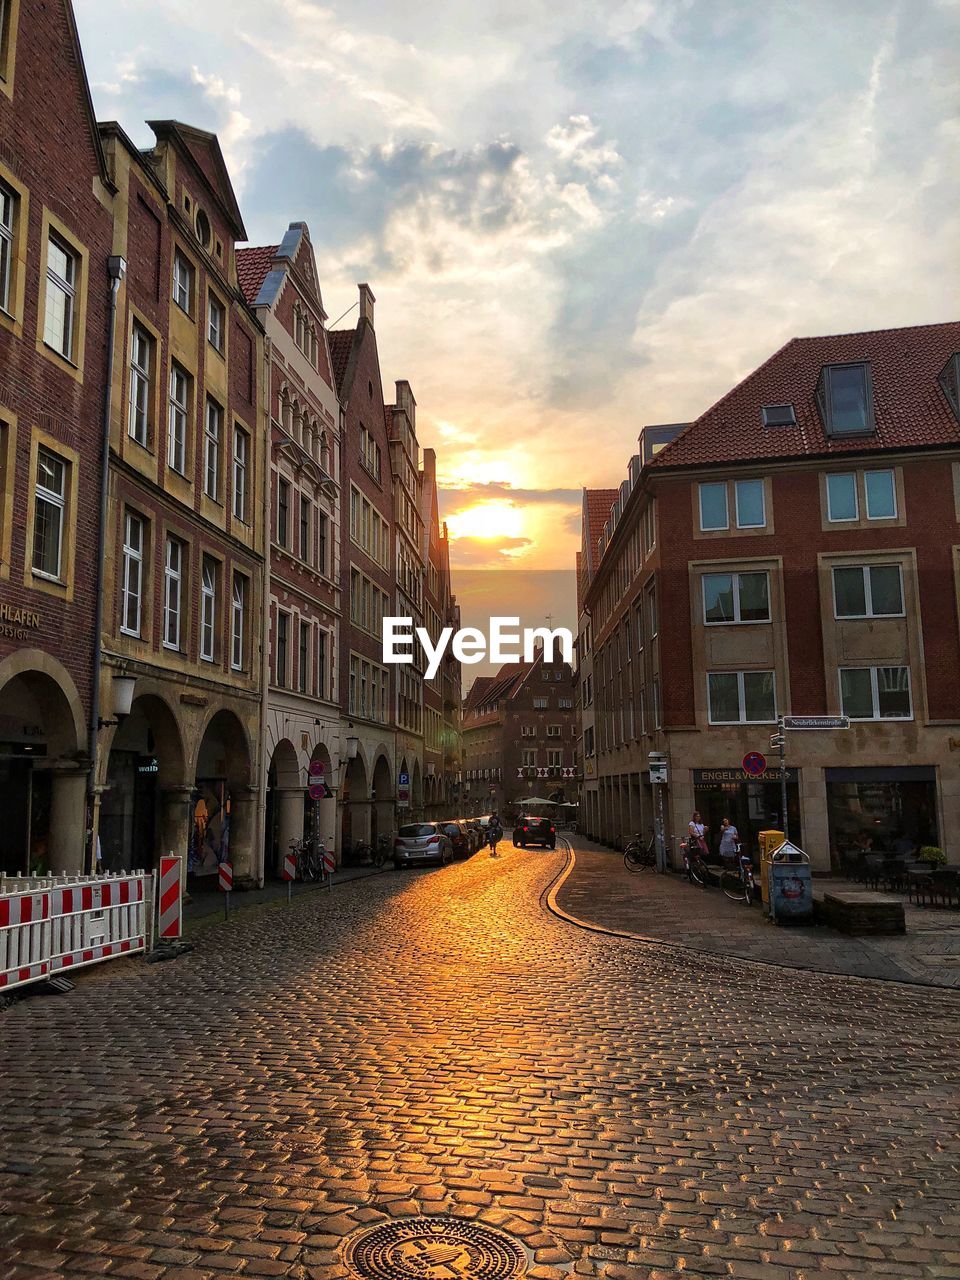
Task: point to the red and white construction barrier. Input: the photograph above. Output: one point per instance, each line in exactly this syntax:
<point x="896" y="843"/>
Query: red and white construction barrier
<point x="329" y="861"/>
<point x="225" y="876"/>
<point x="289" y="866"/>
<point x="52" y="923"/>
<point x="169" y="913"/>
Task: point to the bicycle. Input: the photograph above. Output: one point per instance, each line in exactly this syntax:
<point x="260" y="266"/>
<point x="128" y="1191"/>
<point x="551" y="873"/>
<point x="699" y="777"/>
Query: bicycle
<point x="309" y="860"/>
<point x="382" y="852"/>
<point x="698" y="870"/>
<point x="738" y="882"/>
<point x="640" y="857"/>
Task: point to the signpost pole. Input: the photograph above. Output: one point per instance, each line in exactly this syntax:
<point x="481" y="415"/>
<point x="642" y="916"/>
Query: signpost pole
<point x="783" y="777"/>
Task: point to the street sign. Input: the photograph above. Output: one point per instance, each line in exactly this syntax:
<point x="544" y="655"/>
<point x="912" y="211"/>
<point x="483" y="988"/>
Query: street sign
<point x="777" y="740"/>
<point x="816" y="722"/>
<point x="317" y="791"/>
<point x="317" y="769"/>
<point x="404" y="779"/>
<point x="754" y="763"/>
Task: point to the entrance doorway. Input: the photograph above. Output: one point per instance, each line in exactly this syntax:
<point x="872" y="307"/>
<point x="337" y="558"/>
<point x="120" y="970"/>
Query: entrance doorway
<point x="752" y="804"/>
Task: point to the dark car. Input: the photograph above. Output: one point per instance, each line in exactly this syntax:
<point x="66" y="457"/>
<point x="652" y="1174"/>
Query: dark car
<point x="535" y="831"/>
<point x="474" y="831"/>
<point x="420" y="842"/>
<point x="459" y="838"/>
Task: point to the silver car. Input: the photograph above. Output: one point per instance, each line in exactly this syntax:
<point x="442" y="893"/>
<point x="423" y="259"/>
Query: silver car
<point x="421" y="842"/>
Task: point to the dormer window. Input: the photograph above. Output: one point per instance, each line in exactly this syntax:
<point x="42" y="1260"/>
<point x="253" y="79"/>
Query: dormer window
<point x="845" y="399"/>
<point x="949" y="380"/>
<point x="779" y="415"/>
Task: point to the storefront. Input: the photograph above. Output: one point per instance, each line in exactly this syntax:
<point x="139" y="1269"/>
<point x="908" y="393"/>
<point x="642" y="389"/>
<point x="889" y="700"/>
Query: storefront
<point x="886" y="810"/>
<point x="751" y="804"/>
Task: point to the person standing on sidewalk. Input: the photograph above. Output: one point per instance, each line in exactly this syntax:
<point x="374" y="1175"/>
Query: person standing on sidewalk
<point x="698" y="833"/>
<point x="729" y="839"/>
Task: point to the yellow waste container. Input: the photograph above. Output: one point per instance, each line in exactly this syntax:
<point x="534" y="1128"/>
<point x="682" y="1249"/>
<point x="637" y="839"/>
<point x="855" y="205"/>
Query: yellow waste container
<point x="769" y="840"/>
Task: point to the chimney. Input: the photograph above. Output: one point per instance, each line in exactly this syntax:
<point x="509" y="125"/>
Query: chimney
<point x="406" y="402"/>
<point x="366" y="303"/>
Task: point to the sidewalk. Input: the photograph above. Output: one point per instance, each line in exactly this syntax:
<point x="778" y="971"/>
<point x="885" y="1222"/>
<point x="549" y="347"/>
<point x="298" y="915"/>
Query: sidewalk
<point x="600" y="891"/>
<point x="204" y="903"/>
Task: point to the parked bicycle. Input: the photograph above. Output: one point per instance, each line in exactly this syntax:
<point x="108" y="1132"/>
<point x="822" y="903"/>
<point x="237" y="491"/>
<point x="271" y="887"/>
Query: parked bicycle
<point x="309" y="857"/>
<point x="738" y="882"/>
<point x="638" y="856"/>
<point x="383" y="849"/>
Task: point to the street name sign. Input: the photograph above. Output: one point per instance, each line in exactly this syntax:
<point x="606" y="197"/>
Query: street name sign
<point x="816" y="722"/>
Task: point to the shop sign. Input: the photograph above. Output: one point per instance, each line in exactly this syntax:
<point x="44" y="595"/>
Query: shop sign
<point x="17" y="624"/>
<point x="148" y="765"/>
<point x="720" y="777"/>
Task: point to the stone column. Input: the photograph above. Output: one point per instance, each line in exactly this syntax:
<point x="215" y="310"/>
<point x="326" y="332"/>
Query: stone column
<point x="289" y="801"/>
<point x="173" y="826"/>
<point x="65" y="842"/>
<point x="243" y="824"/>
<point x="329" y="827"/>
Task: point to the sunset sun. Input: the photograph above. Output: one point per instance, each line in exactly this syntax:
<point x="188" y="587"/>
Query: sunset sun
<point x="487" y="520"/>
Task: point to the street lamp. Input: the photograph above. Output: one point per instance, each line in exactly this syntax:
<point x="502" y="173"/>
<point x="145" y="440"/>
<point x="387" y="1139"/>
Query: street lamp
<point x="121" y="687"/>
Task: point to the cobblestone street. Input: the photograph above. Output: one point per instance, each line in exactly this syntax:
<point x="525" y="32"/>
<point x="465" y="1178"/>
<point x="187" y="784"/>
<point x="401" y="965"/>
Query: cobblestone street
<point x="437" y="1043"/>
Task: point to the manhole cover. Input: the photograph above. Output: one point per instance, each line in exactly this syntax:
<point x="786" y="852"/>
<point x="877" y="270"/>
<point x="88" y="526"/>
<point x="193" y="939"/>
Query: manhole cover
<point x="434" y="1249"/>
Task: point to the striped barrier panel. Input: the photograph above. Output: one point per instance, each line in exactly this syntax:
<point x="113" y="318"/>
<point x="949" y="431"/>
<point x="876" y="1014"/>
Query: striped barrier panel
<point x="24" y="938"/>
<point x="97" y="921"/>
<point x="169" y="915"/>
<point x="329" y="861"/>
<point x="225" y="876"/>
<point x="289" y="866"/>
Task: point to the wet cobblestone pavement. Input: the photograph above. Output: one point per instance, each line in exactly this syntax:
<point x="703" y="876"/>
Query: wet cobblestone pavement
<point x="436" y="1043"/>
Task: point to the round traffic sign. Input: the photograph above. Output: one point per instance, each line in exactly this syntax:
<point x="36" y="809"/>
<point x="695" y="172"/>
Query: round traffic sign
<point x="317" y="769"/>
<point x="754" y="763"/>
<point x="317" y="791"/>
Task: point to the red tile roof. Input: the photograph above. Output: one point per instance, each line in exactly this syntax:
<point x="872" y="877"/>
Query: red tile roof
<point x="252" y="266"/>
<point x="341" y="344"/>
<point x="596" y="509"/>
<point x="910" y="408"/>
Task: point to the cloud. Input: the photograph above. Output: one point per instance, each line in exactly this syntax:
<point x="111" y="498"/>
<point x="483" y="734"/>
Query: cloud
<point x="487" y="553"/>
<point x="456" y="499"/>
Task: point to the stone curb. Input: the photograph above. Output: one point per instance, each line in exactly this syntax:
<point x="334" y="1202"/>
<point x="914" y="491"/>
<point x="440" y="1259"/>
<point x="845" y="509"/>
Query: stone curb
<point x="548" y="899"/>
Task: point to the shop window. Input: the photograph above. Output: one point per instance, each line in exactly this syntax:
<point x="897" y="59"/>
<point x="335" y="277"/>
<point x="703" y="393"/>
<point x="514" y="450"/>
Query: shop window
<point x="741" y="697"/>
<point x="868" y="591"/>
<point x="876" y="693"/>
<point x="735" y="597"/>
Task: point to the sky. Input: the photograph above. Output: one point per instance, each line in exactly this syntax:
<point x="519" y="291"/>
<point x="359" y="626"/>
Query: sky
<point x="577" y="219"/>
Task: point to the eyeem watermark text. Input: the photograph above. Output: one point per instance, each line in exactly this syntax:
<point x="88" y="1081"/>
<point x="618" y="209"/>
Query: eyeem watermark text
<point x="505" y="642"/>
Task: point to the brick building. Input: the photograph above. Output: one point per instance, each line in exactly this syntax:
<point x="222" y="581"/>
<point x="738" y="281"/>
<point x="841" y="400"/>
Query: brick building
<point x="596" y="507"/>
<point x="183" y="595"/>
<point x="793" y="551"/>
<point x="302" y="622"/>
<point x="442" y="694"/>
<point x="55" y="241"/>
<point x="367" y="777"/>
<point x="519" y="737"/>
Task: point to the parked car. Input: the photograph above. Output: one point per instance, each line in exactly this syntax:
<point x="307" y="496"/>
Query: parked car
<point x="460" y="838"/>
<point x="535" y="831"/>
<point x="476" y="832"/>
<point x="421" y="842"/>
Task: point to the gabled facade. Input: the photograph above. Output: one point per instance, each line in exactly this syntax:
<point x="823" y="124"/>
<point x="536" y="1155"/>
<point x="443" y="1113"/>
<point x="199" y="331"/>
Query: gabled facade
<point x="56" y="207"/>
<point x="185" y="537"/>
<point x="302" y="618"/>
<point x="519" y="737"/>
<point x="799" y="547"/>
<point x="441" y="695"/>
<point x="369" y="781"/>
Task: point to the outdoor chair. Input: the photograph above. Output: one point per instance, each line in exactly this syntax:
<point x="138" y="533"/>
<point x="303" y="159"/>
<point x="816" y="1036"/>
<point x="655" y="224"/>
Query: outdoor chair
<point x="945" y="886"/>
<point x="894" y="872"/>
<point x="919" y="876"/>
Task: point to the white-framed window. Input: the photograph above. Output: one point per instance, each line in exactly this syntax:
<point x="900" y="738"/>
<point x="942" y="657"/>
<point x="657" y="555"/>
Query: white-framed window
<point x="735" y="597"/>
<point x="303" y="671"/>
<point x="141" y="363"/>
<point x="177" y="419"/>
<point x="50" y="499"/>
<point x="208" y="609"/>
<point x="322" y="536"/>
<point x="867" y="591"/>
<point x="172" y="593"/>
<point x="182" y="283"/>
<point x="283" y="511"/>
<point x="8" y="211"/>
<point x="305" y="509"/>
<point x="653" y="622"/>
<point x="241" y="452"/>
<point x="322" y="687"/>
<point x="216" y="322"/>
<point x="554" y="758"/>
<point x="131" y="605"/>
<point x="528" y="757"/>
<point x="212" y="434"/>
<point x="528" y="731"/>
<point x="880" y="495"/>
<point x="876" y="693"/>
<point x="657" y="708"/>
<point x="741" y="697"/>
<point x="283" y="644"/>
<point x="541" y="704"/>
<point x="713" y="506"/>
<point x="59" y="313"/>
<point x="566" y="703"/>
<point x="554" y="731"/>
<point x="749" y="503"/>
<point x="842" y="502"/>
<point x="238" y="622"/>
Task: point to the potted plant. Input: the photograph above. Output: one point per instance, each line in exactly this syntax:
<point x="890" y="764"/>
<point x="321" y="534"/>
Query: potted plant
<point x="934" y="856"/>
